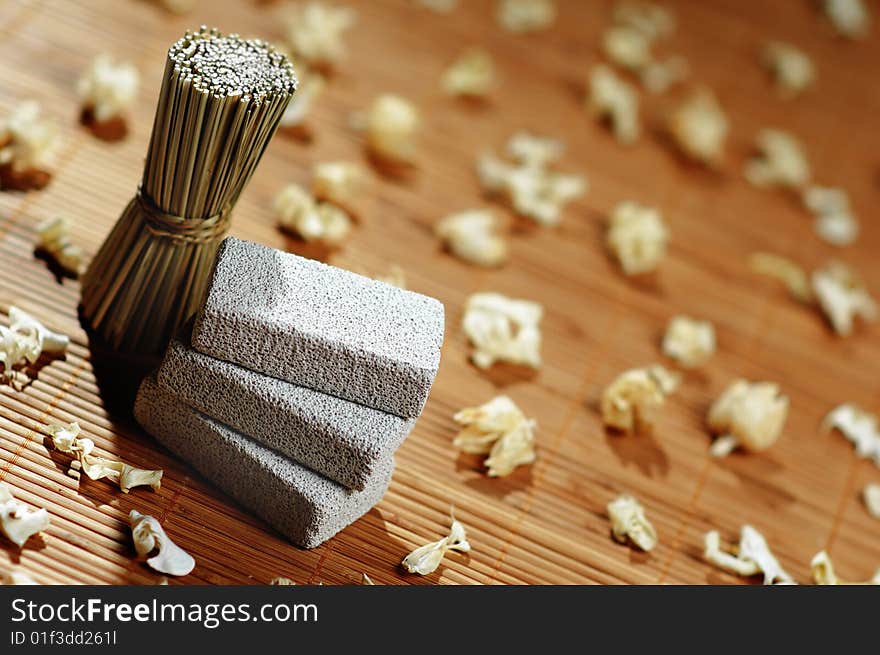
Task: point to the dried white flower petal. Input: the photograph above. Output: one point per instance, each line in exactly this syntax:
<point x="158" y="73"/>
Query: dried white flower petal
<point x="857" y="425"/>
<point x="18" y="578"/>
<point x="658" y="76"/>
<point x="781" y="162"/>
<point x="842" y="297"/>
<point x="530" y="188"/>
<point x="309" y="87"/>
<point x="395" y="276"/>
<point x="631" y="401"/>
<point x="786" y="271"/>
<point x="748" y="415"/>
<point x="699" y="127"/>
<point x="366" y="580"/>
<point x="339" y="182"/>
<point x="628" y="522"/>
<point x="54" y="240"/>
<point x="751" y="557"/>
<point x="391" y="126"/>
<point x="637" y="236"/>
<point x="627" y="47"/>
<point x="18" y="522"/>
<point x="282" y="582"/>
<point x="791" y="67"/>
<point x="688" y="341"/>
<point x="612" y="98"/>
<point x="849" y="17"/>
<point x="472" y="74"/>
<point x="871" y="498"/>
<point x="108" y="88"/>
<point x="835" y="222"/>
<point x="66" y="439"/>
<point x="427" y="558"/>
<point x="503" y="329"/>
<point x="473" y="236"/>
<point x="500" y="429"/>
<point x="823" y="572"/>
<point x="26" y="339"/>
<point x="301" y="215"/>
<point x="652" y="20"/>
<point x="26" y="142"/>
<point x="149" y="536"/>
<point x="520" y="16"/>
<point x="316" y="31"/>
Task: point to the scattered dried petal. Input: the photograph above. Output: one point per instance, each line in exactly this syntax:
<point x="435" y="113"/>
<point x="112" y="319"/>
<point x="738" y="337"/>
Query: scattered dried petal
<point x="871" y="498"/>
<point x="500" y="429"/>
<point x="781" y="162"/>
<point x="791" y="67"/>
<point x="631" y="401"/>
<point x="54" y="240"/>
<point x="699" y="127"/>
<point x="301" y="215"/>
<point x="427" y="558"/>
<point x="18" y="578"/>
<point x="688" y="341"/>
<point x="613" y="99"/>
<point x="472" y="74"/>
<point x="849" y="17"/>
<point x="842" y="296"/>
<point x="521" y="16"/>
<point x="316" y="31"/>
<point x="751" y="557"/>
<point x="391" y="126"/>
<point x="65" y="438"/>
<point x="652" y="20"/>
<point x="339" y="182"/>
<point x="366" y="580"/>
<point x="857" y="425"/>
<point x="473" y="236"/>
<point x="503" y="329"/>
<point x="18" y="522"/>
<point x="659" y="76"/>
<point x="395" y="276"/>
<point x="531" y="189"/>
<point x="627" y="47"/>
<point x="748" y="415"/>
<point x="26" y="142"/>
<point x="149" y="536"/>
<point x="637" y="236"/>
<point x="108" y="88"/>
<point x="823" y="572"/>
<point x="309" y="87"/>
<point x="628" y="522"/>
<point x="786" y="271"/>
<point x="26" y="339"/>
<point x="282" y="582"/>
<point x="835" y="222"/>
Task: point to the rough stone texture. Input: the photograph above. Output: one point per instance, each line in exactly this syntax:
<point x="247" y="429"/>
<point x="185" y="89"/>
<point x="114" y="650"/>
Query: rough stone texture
<point x="321" y="327"/>
<point x="305" y="507"/>
<point x="337" y="438"/>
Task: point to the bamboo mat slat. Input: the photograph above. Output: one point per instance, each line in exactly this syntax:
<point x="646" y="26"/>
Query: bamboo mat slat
<point x="544" y="524"/>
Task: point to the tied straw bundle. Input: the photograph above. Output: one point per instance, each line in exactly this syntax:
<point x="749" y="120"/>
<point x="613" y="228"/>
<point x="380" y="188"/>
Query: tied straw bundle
<point x="220" y="103"/>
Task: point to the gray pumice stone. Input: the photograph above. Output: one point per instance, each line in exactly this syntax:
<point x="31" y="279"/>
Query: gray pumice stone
<point x="321" y="327"/>
<point x="302" y="505"/>
<point x="337" y="438"/>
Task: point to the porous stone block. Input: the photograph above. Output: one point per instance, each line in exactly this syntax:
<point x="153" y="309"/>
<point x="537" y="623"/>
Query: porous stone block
<point x="321" y="327"/>
<point x="340" y="439"/>
<point x="302" y="505"/>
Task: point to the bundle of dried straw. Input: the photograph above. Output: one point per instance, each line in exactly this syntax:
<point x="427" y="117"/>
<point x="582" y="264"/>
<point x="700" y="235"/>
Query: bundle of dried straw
<point x="220" y="103"/>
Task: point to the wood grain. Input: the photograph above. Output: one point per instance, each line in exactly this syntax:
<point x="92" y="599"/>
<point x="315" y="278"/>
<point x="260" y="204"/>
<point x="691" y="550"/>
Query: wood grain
<point x="545" y="523"/>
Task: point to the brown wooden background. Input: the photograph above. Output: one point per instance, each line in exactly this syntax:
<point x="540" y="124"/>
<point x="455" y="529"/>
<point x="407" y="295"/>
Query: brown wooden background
<point x="546" y="523"/>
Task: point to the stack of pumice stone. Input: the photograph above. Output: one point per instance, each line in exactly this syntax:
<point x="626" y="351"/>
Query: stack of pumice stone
<point x="294" y="386"/>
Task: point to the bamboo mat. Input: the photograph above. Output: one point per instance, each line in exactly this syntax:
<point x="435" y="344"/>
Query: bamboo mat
<point x="545" y="523"/>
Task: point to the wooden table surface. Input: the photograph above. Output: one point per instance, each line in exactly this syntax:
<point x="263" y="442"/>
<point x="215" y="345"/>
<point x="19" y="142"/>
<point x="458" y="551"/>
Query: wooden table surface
<point x="546" y="523"/>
